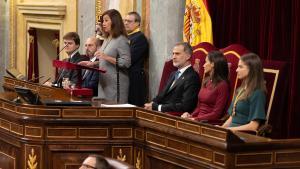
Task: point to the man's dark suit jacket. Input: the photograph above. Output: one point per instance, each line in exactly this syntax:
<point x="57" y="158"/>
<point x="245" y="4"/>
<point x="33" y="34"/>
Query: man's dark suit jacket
<point x="182" y="96"/>
<point x="91" y="81"/>
<point x="139" y="51"/>
<point x="71" y="74"/>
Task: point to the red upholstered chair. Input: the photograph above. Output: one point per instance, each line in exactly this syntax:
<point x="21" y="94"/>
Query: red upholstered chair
<point x="277" y="91"/>
<point x="167" y="70"/>
<point x="233" y="54"/>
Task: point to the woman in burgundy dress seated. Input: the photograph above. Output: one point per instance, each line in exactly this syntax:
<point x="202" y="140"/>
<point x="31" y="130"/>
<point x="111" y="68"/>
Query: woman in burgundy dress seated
<point x="214" y="93"/>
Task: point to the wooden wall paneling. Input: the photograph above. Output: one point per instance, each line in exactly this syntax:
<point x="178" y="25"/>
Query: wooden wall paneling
<point x="9" y="156"/>
<point x="71" y="156"/>
<point x="61" y="137"/>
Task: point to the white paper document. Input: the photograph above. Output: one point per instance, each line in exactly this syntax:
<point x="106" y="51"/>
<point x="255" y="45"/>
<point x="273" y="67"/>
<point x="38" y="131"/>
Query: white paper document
<point x="117" y="105"/>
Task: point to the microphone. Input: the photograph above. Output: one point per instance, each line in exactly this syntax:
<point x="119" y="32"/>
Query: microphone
<point x="46" y="80"/>
<point x="33" y="79"/>
<point x="57" y="81"/>
<point x="15" y="74"/>
<point x="56" y="84"/>
<point x="61" y="50"/>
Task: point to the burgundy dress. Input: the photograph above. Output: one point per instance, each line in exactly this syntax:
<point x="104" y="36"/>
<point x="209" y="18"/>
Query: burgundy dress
<point x="211" y="101"/>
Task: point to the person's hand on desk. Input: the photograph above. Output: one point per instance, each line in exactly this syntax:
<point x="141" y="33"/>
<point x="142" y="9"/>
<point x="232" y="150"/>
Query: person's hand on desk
<point x="186" y="115"/>
<point x="66" y="87"/>
<point x="148" y="106"/>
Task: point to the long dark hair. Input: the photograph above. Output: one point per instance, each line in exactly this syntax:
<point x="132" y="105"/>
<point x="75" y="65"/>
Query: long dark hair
<point x="220" y="69"/>
<point x="117" y="25"/>
<point x="255" y="79"/>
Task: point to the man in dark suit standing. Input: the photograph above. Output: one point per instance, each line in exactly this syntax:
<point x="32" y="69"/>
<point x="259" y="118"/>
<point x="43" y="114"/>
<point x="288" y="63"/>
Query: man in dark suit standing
<point x="181" y="91"/>
<point x="139" y="51"/>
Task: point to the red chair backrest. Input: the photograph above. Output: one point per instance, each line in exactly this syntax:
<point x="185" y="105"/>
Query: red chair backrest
<point x="233" y="54"/>
<point x="200" y="52"/>
<point x="277" y="82"/>
<point x="272" y="72"/>
<point x="167" y="70"/>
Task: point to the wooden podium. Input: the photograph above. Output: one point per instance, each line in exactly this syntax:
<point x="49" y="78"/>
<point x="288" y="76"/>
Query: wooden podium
<point x="42" y="137"/>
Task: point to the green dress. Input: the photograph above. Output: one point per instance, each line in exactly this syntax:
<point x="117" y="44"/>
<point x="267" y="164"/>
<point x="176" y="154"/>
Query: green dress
<point x="250" y="109"/>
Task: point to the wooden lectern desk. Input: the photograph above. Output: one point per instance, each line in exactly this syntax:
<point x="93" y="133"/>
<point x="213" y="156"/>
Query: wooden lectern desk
<point x="43" y="137"/>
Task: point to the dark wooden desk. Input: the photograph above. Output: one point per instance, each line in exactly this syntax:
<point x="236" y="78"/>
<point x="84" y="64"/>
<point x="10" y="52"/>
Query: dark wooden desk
<point x="41" y="137"/>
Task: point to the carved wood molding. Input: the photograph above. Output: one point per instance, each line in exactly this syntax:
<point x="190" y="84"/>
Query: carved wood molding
<point x="32" y="163"/>
<point x="99" y="5"/>
<point x="12" y="10"/>
<point x="121" y="156"/>
<point x="50" y="15"/>
<point x="33" y="156"/>
<point x="59" y="10"/>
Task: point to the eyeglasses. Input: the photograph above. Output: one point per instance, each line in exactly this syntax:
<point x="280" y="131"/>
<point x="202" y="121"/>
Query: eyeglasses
<point x="129" y="21"/>
<point x="86" y="166"/>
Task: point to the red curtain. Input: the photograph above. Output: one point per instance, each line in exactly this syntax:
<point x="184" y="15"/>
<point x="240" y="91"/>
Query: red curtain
<point x="33" y="63"/>
<point x="269" y="28"/>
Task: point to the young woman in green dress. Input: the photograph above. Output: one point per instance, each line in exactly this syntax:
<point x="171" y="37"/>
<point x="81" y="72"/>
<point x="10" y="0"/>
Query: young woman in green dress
<point x="247" y="110"/>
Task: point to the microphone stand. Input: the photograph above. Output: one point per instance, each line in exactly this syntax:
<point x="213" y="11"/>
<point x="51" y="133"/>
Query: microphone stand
<point x="33" y="79"/>
<point x="58" y="84"/>
<point x="62" y="72"/>
<point x="118" y="79"/>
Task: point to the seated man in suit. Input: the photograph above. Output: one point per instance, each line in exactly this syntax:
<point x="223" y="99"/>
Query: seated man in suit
<point x="181" y="90"/>
<point x="72" y="43"/>
<point x="91" y="78"/>
<point x="95" y="162"/>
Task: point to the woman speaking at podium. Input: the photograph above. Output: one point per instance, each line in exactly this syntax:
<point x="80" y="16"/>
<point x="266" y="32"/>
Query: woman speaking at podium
<point x="114" y="57"/>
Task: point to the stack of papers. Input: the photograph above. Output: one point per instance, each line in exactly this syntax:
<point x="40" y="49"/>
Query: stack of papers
<point x="117" y="105"/>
